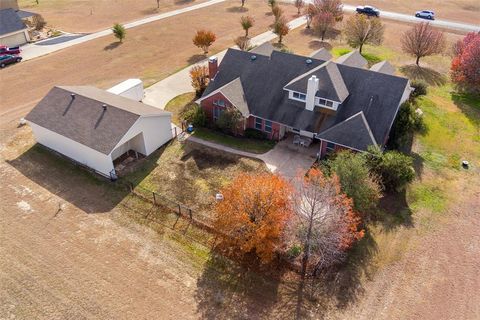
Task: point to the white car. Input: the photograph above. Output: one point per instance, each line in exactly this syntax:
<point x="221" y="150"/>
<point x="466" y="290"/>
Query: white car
<point x="425" y="14"/>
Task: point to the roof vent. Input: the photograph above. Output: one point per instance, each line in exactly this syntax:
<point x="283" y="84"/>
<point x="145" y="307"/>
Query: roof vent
<point x="104" y="107"/>
<point x="309" y="61"/>
<point x="253" y="58"/>
<point x="72" y="95"/>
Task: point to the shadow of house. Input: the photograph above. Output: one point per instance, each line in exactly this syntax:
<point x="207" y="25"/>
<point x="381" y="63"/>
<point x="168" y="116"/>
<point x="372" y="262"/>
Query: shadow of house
<point x="77" y="186"/>
<point x="430" y="76"/>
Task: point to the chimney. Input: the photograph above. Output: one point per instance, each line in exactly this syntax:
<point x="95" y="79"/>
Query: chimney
<point x="212" y="67"/>
<point x="312" y="88"/>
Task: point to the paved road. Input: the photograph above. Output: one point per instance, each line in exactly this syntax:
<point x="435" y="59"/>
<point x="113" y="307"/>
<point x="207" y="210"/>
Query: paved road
<point x="32" y="51"/>
<point x="411" y="18"/>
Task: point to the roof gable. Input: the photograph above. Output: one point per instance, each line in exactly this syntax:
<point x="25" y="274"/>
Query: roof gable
<point x="353" y="132"/>
<point x="353" y="59"/>
<point x="322" y="54"/>
<point x="331" y="85"/>
<point x="233" y="91"/>
<point x="265" y="49"/>
<point x="82" y="117"/>
<point x="383" y="67"/>
<point x="10" y="21"/>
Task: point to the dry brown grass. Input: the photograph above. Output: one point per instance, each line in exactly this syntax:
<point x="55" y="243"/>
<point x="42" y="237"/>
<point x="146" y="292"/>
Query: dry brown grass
<point x="94" y="15"/>
<point x="165" y="47"/>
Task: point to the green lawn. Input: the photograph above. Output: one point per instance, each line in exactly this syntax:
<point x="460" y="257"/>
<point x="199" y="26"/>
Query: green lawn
<point x="240" y="143"/>
<point x="177" y="104"/>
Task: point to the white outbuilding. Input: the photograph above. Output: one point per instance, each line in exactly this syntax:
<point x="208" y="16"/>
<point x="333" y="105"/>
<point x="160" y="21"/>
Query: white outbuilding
<point x="95" y="127"/>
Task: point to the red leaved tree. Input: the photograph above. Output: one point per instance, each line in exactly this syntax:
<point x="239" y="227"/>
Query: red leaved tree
<point x="465" y="68"/>
<point x="322" y="23"/>
<point x="281" y="28"/>
<point x="204" y="39"/>
<point x="253" y="214"/>
<point x="326" y="226"/>
<point x="422" y="40"/>
<point x="334" y="7"/>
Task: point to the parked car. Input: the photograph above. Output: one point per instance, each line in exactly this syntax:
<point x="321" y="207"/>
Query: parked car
<point x="8" y="50"/>
<point x="368" y="10"/>
<point x="9" y="59"/>
<point x="425" y="14"/>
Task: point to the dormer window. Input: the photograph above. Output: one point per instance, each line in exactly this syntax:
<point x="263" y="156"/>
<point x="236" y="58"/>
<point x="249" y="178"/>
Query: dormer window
<point x="329" y="104"/>
<point x="299" y="96"/>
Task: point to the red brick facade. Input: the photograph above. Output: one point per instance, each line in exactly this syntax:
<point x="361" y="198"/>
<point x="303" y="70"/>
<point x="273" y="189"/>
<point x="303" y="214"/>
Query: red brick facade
<point x="211" y="103"/>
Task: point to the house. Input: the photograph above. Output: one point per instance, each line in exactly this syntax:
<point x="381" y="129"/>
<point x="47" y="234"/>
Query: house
<point x="95" y="127"/>
<point x="13" y="31"/>
<point x="339" y="105"/>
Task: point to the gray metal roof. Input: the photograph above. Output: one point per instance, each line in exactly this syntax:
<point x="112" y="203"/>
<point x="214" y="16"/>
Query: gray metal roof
<point x="83" y="118"/>
<point x="383" y="67"/>
<point x="10" y="22"/>
<point x="263" y="80"/>
<point x="322" y="54"/>
<point x="353" y="59"/>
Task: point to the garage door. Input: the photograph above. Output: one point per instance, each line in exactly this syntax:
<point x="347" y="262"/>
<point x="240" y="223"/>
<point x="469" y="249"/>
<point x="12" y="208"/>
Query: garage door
<point x="13" y="40"/>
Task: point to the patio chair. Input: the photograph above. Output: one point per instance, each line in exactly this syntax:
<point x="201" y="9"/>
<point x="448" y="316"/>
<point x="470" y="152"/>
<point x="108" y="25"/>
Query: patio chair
<point x="296" y="139"/>
<point x="306" y="142"/>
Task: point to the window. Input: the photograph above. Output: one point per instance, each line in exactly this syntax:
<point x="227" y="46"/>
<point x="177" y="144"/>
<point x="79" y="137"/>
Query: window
<point x="322" y="102"/>
<point x="329" y="104"/>
<point x="299" y="96"/>
<point x="258" y="124"/>
<point x="217" y="112"/>
<point x="268" y="126"/>
<point x="330" y="147"/>
<point x="219" y="102"/>
<point x="303" y="96"/>
<point x="296" y="95"/>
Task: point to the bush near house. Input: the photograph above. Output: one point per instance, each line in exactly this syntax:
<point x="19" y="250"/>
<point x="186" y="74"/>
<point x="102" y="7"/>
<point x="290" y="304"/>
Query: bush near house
<point x="420" y="88"/>
<point x="194" y="114"/>
<point x="407" y="122"/>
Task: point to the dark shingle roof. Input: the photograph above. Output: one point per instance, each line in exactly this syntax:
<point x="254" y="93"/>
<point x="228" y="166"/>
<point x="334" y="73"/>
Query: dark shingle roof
<point x="83" y="118"/>
<point x="353" y="132"/>
<point x="322" y="54"/>
<point x="353" y="59"/>
<point x="331" y="85"/>
<point x="263" y="80"/>
<point x="10" y="21"/>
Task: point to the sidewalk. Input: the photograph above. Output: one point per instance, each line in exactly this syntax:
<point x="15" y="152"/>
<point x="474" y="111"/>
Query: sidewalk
<point x="35" y="50"/>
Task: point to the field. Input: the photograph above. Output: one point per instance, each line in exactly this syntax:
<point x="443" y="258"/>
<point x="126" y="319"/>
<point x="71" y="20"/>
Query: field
<point x="79" y="16"/>
<point x="166" y="47"/>
<point x="73" y="247"/>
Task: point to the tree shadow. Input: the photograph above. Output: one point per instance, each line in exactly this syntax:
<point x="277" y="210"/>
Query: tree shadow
<point x="342" y="286"/>
<point x="469" y="104"/>
<point x="112" y="46"/>
<point x="181" y="2"/>
<point x="318" y="44"/>
<point x="394" y="211"/>
<point x="76" y="185"/>
<point x="237" y="9"/>
<point x="430" y="76"/>
<point x="150" y="11"/>
<point x="196" y="58"/>
<point x="226" y="290"/>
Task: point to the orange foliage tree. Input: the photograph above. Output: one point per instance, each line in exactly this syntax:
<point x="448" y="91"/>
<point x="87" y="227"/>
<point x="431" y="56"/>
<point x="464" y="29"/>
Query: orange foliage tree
<point x="253" y="214"/>
<point x="204" y="39"/>
<point x="325" y="224"/>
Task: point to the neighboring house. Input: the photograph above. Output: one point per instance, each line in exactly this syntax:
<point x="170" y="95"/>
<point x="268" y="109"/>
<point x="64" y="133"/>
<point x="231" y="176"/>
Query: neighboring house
<point x="339" y="105"/>
<point x="95" y="127"/>
<point x="13" y="31"/>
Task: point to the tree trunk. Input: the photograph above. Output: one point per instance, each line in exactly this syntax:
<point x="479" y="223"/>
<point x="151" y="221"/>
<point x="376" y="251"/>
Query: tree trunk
<point x="418" y="60"/>
<point x="323" y="35"/>
<point x="246" y="33"/>
<point x="280" y="39"/>
<point x="360" y="49"/>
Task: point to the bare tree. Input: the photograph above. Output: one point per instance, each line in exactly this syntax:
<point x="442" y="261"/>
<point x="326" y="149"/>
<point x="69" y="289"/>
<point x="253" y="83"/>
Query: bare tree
<point x="360" y="30"/>
<point x="243" y="3"/>
<point x="422" y="40"/>
<point x="310" y="12"/>
<point x="299" y="4"/>
<point x="277" y="12"/>
<point x="322" y="23"/>
<point x="158" y="4"/>
<point x="281" y="28"/>
<point x="246" y="22"/>
<point x="327" y="225"/>
<point x="335" y="7"/>
<point x="243" y="43"/>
